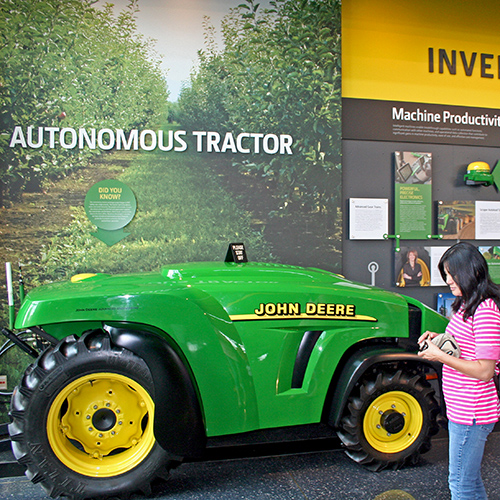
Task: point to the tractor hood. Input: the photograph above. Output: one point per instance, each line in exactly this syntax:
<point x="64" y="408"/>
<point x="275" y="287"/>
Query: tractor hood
<point x="226" y="291"/>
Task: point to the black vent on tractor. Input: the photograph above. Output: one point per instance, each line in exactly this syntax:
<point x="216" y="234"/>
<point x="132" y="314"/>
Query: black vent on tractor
<point x="414" y="322"/>
<point x="303" y="354"/>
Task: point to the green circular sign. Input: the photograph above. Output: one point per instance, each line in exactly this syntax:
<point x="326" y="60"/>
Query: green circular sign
<point x="110" y="204"/>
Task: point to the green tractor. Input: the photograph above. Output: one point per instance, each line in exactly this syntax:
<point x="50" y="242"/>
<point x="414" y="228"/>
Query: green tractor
<point x="136" y="373"/>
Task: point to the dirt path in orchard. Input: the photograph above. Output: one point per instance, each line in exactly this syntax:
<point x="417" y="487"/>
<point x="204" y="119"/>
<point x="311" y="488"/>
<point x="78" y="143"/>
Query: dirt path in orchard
<point x="27" y="225"/>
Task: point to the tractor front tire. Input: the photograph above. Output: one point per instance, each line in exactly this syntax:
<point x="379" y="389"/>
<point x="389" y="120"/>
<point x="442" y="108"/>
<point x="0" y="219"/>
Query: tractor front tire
<point x="389" y="420"/>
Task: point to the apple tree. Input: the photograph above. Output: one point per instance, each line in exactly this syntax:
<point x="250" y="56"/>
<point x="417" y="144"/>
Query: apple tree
<point x="65" y="63"/>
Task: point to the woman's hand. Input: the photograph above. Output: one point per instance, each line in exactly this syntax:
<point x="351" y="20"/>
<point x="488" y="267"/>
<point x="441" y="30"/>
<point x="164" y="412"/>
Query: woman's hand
<point x="429" y="350"/>
<point x="427" y="336"/>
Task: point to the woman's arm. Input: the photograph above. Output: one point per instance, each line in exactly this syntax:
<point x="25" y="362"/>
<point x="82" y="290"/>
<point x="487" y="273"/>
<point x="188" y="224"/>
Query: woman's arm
<point x="482" y="369"/>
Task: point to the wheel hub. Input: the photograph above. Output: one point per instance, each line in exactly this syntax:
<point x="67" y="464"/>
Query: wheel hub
<point x="101" y="424"/>
<point x="104" y="419"/>
<point x="392" y="421"/>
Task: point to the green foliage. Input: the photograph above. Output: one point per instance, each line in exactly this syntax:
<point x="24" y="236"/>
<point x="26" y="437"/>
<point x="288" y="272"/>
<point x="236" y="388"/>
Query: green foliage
<point x="13" y="363"/>
<point x="66" y="64"/>
<point x="183" y="215"/>
<point x="279" y="72"/>
<point x="202" y="105"/>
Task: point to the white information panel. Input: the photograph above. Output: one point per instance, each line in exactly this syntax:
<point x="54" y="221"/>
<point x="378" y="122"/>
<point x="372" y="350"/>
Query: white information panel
<point x="435" y="254"/>
<point x="368" y="218"/>
<point x="487" y="220"/>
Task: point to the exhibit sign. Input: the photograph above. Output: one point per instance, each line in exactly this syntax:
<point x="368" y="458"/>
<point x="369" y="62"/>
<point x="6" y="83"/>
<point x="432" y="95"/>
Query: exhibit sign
<point x="413" y="195"/>
<point x="492" y="256"/>
<point x="418" y="266"/>
<point x="412" y="267"/>
<point x="373" y="119"/>
<point x="456" y="220"/>
<point x="487" y="220"/>
<point x="435" y="256"/>
<point x="445" y="303"/>
<point x="468" y="220"/>
<point x="110" y="205"/>
<point x="428" y="74"/>
<point x="368" y="218"/>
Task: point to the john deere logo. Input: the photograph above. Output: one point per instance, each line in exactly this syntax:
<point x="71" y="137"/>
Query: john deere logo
<point x="311" y="310"/>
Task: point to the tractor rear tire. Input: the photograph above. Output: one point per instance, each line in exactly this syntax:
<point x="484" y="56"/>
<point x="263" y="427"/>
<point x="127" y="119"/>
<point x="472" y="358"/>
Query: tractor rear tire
<point x="82" y="421"/>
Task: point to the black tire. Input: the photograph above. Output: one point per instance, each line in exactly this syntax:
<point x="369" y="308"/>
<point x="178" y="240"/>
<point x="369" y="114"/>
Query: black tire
<point x="82" y="421"/>
<point x="389" y="421"/>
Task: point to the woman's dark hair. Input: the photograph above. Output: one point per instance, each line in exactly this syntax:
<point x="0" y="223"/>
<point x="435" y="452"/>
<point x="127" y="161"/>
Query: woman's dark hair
<point x="469" y="269"/>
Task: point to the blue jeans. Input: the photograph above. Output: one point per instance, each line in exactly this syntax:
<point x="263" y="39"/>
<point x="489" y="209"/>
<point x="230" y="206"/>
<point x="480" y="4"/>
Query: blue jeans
<point x="466" y="453"/>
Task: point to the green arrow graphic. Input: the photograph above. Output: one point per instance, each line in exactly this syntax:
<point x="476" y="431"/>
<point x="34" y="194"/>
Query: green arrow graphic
<point x="110" y="237"/>
<point x="496" y="176"/>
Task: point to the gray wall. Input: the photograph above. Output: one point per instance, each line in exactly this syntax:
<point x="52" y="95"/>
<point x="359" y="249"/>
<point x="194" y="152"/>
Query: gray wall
<point x="368" y="173"/>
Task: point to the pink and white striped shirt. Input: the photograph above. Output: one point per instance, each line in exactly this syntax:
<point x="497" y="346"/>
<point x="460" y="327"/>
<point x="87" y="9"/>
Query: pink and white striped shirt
<point x="468" y="398"/>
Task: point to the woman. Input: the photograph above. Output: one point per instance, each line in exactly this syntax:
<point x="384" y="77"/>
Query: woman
<point x="412" y="270"/>
<point x="472" y="404"/>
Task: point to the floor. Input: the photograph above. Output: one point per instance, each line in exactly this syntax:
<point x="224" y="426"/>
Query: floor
<point x="295" y="474"/>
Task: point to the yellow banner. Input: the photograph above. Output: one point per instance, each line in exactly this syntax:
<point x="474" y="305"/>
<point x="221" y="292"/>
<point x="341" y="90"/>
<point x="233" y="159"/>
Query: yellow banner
<point x="430" y="51"/>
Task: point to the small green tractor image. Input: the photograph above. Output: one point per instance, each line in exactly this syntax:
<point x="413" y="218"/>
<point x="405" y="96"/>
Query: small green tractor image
<point x="136" y="373"/>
